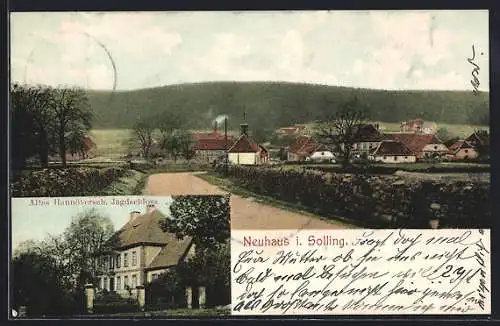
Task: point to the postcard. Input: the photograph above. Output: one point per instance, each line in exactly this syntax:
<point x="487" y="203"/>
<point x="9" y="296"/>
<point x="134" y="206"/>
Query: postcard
<point x="352" y="147"/>
<point x="110" y="257"/>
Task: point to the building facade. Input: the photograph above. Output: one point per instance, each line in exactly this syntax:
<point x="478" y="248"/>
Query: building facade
<point x="391" y="151"/>
<point x="141" y="253"/>
<point x="245" y="151"/>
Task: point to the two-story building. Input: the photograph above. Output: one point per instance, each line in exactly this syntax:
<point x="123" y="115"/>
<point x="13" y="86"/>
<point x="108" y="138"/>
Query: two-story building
<point x="141" y="251"/>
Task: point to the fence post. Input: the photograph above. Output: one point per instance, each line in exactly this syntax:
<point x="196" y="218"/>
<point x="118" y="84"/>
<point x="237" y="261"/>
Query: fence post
<point x="141" y="297"/>
<point x="189" y="297"/>
<point x="89" y="294"/>
<point x="202" y="296"/>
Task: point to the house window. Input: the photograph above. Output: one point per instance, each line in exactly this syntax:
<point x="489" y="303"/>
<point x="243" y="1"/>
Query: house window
<point x="118" y="283"/>
<point x="406" y="157"/>
<point x="118" y="261"/>
<point x="395" y="158"/>
<point x="134" y="281"/>
<point x="134" y="258"/>
<point x="435" y="147"/>
<point x="106" y="283"/>
<point x="111" y="262"/>
<point x="125" y="281"/>
<point x="125" y="260"/>
<point x="466" y="150"/>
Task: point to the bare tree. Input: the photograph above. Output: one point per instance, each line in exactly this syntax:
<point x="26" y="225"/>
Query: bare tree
<point x="143" y="130"/>
<point x="338" y="131"/>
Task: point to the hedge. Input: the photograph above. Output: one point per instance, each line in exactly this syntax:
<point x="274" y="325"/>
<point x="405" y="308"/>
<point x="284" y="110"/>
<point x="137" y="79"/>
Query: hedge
<point x="65" y="182"/>
<point x="374" y="201"/>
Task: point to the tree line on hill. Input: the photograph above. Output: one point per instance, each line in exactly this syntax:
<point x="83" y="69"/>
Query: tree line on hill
<point x="47" y="121"/>
<point x="273" y="105"/>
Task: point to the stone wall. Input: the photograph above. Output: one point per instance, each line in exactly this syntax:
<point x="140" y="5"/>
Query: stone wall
<point x="377" y="201"/>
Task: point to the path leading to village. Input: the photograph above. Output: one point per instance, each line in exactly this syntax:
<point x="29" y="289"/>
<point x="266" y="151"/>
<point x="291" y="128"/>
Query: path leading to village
<point x="246" y="214"/>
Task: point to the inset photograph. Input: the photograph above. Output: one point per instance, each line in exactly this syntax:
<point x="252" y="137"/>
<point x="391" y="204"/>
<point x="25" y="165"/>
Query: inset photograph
<point x="109" y="257"/>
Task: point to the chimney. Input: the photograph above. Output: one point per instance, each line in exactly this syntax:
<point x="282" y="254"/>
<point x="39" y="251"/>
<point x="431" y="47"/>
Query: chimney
<point x="215" y="127"/>
<point x="150" y="208"/>
<point x="134" y="214"/>
<point x="244" y="129"/>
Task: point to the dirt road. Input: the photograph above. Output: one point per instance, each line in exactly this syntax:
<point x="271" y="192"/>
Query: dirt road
<point x="246" y="214"/>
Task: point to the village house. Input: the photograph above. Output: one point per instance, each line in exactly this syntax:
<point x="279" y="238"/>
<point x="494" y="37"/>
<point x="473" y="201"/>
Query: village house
<point x="304" y="148"/>
<point x="245" y="151"/>
<point x="419" y="126"/>
<point x="142" y="251"/>
<point x="210" y="147"/>
<point x="391" y="151"/>
<point x="366" y="138"/>
<point x="480" y="139"/>
<point x="424" y="146"/>
<point x="291" y="131"/>
<point x="462" y="150"/>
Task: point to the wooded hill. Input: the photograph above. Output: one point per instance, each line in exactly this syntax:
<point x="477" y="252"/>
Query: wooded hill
<point x="274" y="104"/>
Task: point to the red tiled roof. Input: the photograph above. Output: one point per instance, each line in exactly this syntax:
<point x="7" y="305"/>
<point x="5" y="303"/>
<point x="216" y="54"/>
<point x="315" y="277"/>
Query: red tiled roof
<point x="415" y="142"/>
<point x="207" y="135"/>
<point x="304" y="145"/>
<point x="244" y="145"/>
<point x="392" y="148"/>
<point x="298" y="143"/>
<point x="459" y="145"/>
<point x="213" y="144"/>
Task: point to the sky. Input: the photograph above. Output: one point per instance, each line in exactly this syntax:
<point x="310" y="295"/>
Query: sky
<point x="368" y="49"/>
<point x="35" y="222"/>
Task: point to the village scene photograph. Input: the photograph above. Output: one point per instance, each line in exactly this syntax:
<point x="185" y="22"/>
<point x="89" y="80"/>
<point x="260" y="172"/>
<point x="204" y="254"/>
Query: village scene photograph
<point x="309" y="119"/>
<point x="126" y="256"/>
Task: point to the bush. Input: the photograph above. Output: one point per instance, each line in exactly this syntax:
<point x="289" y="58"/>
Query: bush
<point x="65" y="182"/>
<point x="373" y="201"/>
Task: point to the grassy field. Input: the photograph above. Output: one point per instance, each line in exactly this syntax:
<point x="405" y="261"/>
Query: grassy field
<point x="112" y="143"/>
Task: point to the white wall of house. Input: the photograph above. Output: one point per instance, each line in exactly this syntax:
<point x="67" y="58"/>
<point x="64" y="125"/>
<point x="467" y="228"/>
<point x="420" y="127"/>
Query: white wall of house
<point x="243" y="158"/>
<point x="322" y="155"/>
<point x="394" y="159"/>
<point x="432" y="149"/>
<point x="466" y="153"/>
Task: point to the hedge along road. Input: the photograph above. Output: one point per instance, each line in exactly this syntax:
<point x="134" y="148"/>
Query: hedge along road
<point x="245" y="214"/>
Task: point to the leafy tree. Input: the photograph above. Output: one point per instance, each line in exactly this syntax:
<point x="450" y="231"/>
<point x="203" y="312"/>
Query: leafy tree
<point x="338" y="131"/>
<point x="32" y="123"/>
<point x="38" y="283"/>
<point x="444" y="135"/>
<point x="167" y="122"/>
<point x="71" y="110"/>
<point x="204" y="218"/>
<point x="179" y="144"/>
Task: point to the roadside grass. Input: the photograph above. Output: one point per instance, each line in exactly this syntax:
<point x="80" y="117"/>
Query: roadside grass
<point x="131" y="184"/>
<point x="229" y="186"/>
